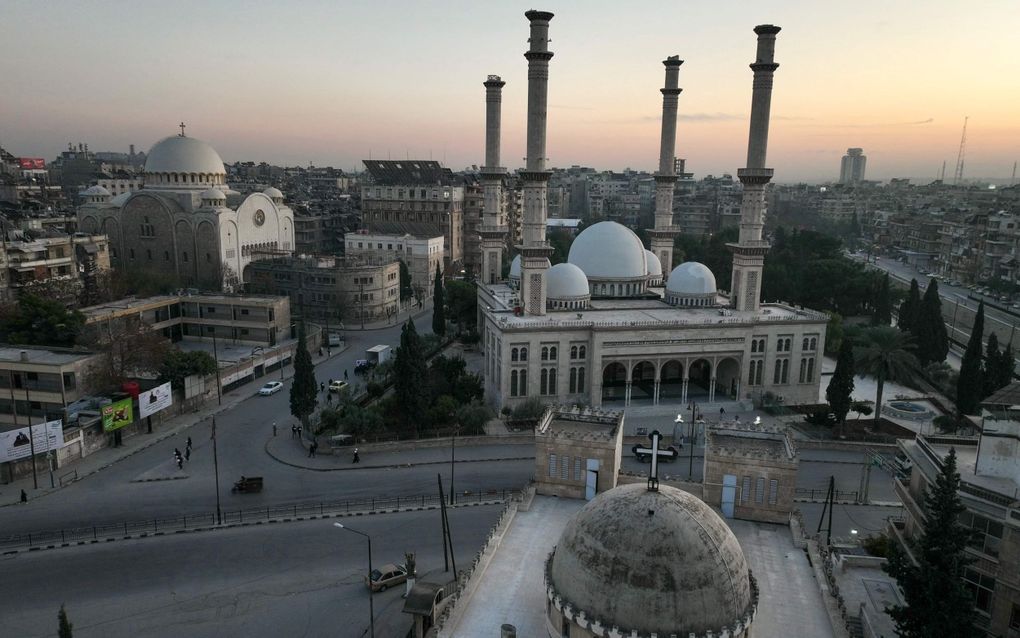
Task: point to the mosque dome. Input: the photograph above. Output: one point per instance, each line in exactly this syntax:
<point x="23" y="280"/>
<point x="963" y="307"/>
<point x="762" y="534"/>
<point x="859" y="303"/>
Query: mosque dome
<point x="515" y="271"/>
<point x="613" y="258"/>
<point x="183" y="163"/>
<point x="654" y="269"/>
<point x="566" y="287"/>
<point x="691" y="284"/>
<point x="653" y="562"/>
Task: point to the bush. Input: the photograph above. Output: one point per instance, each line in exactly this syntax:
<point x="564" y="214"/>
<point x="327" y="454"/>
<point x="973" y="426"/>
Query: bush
<point x="473" y="417"/>
<point x="877" y="545"/>
<point x="821" y="417"/>
<point x="530" y="410"/>
<point x="374" y="389"/>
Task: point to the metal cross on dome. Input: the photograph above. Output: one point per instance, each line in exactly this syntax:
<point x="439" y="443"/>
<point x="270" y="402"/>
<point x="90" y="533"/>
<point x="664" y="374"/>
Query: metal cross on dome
<point x="182" y="128"/>
<point x="655" y="453"/>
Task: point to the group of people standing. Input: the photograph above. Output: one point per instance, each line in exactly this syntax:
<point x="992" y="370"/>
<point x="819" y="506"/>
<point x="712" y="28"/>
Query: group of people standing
<point x="180" y="459"/>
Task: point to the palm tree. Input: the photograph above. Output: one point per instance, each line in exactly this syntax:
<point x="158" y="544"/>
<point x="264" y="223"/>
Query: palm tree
<point x="886" y="354"/>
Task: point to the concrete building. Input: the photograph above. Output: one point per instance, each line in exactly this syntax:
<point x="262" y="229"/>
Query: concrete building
<point x="751" y="471"/>
<point x="121" y="184"/>
<point x="419" y="197"/>
<point x="577" y="451"/>
<point x="423" y="255"/>
<point x="187" y="223"/>
<point x="332" y="288"/>
<point x="851" y="167"/>
<point x="609" y="325"/>
<point x="63" y="267"/>
<point x="243" y="319"/>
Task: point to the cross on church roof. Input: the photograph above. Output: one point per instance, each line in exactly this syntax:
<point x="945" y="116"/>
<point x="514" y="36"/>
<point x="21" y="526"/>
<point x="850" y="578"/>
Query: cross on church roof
<point x="182" y="128"/>
<point x="655" y="453"/>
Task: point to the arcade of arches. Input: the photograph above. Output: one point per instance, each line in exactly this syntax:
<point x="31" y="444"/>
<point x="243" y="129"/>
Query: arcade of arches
<point x="683" y="379"/>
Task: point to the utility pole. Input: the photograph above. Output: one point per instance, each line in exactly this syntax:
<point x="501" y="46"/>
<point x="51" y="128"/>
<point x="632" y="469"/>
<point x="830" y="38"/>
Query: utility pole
<point x="453" y="450"/>
<point x="216" y="355"/>
<point x="216" y="473"/>
<point x="830" y="498"/>
<point x="31" y="435"/>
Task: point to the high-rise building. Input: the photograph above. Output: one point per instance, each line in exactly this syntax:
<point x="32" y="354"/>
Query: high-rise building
<point x="851" y="169"/>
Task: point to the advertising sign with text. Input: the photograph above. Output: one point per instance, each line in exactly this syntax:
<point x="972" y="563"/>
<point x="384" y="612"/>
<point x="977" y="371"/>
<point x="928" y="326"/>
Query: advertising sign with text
<point x="117" y="415"/>
<point x="15" y="444"/>
<point x="154" y="400"/>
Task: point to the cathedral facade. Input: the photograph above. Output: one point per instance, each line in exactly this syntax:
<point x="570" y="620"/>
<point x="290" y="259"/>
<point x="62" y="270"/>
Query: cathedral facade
<point x="187" y="222"/>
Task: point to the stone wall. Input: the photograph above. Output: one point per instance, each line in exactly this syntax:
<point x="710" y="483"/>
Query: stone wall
<point x="754" y="468"/>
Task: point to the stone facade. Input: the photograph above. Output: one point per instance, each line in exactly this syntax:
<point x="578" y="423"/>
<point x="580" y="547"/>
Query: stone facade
<point x="761" y="463"/>
<point x="421" y="254"/>
<point x="571" y="443"/>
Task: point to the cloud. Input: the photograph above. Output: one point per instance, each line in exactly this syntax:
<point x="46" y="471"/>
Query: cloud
<point x="710" y="117"/>
<point x="884" y="124"/>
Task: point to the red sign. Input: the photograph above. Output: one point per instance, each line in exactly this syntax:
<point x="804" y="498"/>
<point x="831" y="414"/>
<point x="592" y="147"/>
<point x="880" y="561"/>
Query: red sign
<point x="32" y="163"/>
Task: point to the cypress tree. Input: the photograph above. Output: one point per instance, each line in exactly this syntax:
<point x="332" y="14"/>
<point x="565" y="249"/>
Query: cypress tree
<point x="405" y="282"/>
<point x="409" y="378"/>
<point x="882" y="315"/>
<point x="66" y="626"/>
<point x="841" y="385"/>
<point x="439" y="305"/>
<point x="930" y="328"/>
<point x="303" y="390"/>
<point x="993" y="363"/>
<point x="938" y="603"/>
<point x="909" y="308"/>
<point x="971" y="383"/>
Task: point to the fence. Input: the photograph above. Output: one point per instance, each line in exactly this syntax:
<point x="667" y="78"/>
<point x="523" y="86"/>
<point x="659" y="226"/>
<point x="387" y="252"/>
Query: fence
<point x="157" y="526"/>
<point x="841" y="495"/>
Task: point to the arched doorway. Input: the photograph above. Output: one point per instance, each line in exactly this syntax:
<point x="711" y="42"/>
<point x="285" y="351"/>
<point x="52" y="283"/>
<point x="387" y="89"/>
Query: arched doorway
<point x="700" y="379"/>
<point x="727" y="378"/>
<point x="671" y="381"/>
<point x="642" y="379"/>
<point x="614" y="382"/>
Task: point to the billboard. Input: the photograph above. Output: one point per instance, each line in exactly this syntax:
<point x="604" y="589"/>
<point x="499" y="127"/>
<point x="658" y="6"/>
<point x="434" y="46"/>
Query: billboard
<point x="31" y="163"/>
<point x="117" y="415"/>
<point x="15" y="444"/>
<point x="154" y="400"/>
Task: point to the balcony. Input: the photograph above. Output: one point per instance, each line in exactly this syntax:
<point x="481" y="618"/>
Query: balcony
<point x="908" y="501"/>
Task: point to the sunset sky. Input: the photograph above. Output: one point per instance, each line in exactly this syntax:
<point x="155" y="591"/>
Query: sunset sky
<point x="334" y="82"/>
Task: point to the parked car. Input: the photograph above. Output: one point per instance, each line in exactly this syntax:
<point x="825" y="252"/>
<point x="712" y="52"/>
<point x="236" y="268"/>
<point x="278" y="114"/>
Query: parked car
<point x="385" y="577"/>
<point x="338" y="385"/>
<point x="362" y="365"/>
<point x="270" y="388"/>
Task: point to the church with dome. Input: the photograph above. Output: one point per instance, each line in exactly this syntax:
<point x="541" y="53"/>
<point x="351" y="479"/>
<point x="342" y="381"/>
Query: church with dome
<point x="186" y="221"/>
<point x="617" y="322"/>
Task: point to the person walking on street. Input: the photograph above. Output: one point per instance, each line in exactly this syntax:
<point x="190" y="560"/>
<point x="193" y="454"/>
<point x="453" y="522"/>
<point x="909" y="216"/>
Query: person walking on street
<point x="187" y="453"/>
<point x="180" y="463"/>
<point x="24" y="496"/>
<point x="322" y="387"/>
<point x="357" y="459"/>
<point x="293" y="431"/>
<point x="345" y="374"/>
<point x="311" y="449"/>
<point x="188" y="444"/>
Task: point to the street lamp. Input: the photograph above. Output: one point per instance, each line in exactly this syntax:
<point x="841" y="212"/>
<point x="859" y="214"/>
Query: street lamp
<point x="371" y="605"/>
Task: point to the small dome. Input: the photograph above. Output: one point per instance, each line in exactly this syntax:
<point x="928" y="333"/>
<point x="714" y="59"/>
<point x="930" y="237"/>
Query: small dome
<point x="213" y="194"/>
<point x="515" y="269"/>
<point x="183" y="155"/>
<point x="566" y="281"/>
<point x="654" y="266"/>
<point x="691" y="278"/>
<point x="96" y="191"/>
<point x="609" y="251"/>
<point x="653" y="562"/>
<point x="273" y="193"/>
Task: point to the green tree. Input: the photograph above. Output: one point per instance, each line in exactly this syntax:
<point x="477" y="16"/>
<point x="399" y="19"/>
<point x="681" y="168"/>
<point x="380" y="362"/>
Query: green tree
<point x="177" y="365"/>
<point x="560" y="240"/>
<point x="438" y="304"/>
<point x="833" y="333"/>
<point x="405" y="282"/>
<point x="937" y="603"/>
<point x="409" y="379"/>
<point x="462" y="300"/>
<point x="990" y="371"/>
<point x="882" y="313"/>
<point x="472" y="417"/>
<point x="971" y="383"/>
<point x="303" y="390"/>
<point x="930" y="328"/>
<point x="841" y="386"/>
<point x="909" y="309"/>
<point x="886" y="354"/>
<point x="36" y="321"/>
<point x="65" y="625"/>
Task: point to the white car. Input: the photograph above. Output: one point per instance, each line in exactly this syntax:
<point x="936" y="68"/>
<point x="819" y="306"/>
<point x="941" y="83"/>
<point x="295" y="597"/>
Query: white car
<point x="270" y="388"/>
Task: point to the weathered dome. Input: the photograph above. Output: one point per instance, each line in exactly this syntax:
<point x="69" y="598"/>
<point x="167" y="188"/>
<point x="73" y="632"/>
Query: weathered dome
<point x="654" y="266"/>
<point x="691" y="278"/>
<point x="660" y="562"/>
<point x="273" y="193"/>
<point x="609" y="251"/>
<point x="213" y="194"/>
<point x="566" y="283"/>
<point x="96" y="191"/>
<point x="515" y="270"/>
<point x="183" y="155"/>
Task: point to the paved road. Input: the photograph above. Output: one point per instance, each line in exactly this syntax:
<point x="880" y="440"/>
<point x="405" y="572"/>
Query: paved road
<point x="295" y="579"/>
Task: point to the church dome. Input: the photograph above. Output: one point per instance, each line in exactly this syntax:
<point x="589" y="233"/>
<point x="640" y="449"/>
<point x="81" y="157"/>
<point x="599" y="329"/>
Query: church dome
<point x="213" y="194"/>
<point x="654" y="269"/>
<point x="566" y="287"/>
<point x="96" y="191"/>
<point x="273" y="193"/>
<point x="183" y="155"/>
<point x="691" y="284"/>
<point x="653" y="562"/>
<point x="613" y="258"/>
<point x="515" y="271"/>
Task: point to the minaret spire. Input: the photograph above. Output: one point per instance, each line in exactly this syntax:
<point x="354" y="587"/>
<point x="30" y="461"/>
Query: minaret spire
<point x="493" y="229"/>
<point x="749" y="252"/>
<point x="663" y="236"/>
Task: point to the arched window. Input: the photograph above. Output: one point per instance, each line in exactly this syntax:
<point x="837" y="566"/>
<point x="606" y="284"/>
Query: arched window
<point x="523" y="383"/>
<point x="754" y="345"/>
<point x="552" y="381"/>
<point x="810" y="369"/>
<point x="524" y="354"/>
<point x="545" y="354"/>
<point x="777" y="372"/>
<point x="552" y="353"/>
<point x="803" y="369"/>
<point x="513" y="383"/>
<point x="184" y="257"/>
<point x="806" y="343"/>
<point x="760" y="373"/>
<point x="786" y="371"/>
<point x="543" y="382"/>
<point x="580" y="380"/>
<point x="814" y="344"/>
<point x="750" y="373"/>
<point x="513" y="354"/>
<point x="573" y="352"/>
<point x="581" y="352"/>
<point x="573" y="380"/>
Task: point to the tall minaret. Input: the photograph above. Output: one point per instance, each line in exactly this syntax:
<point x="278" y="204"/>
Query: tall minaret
<point x="664" y="234"/>
<point x="749" y="252"/>
<point x="534" y="250"/>
<point x="493" y="228"/>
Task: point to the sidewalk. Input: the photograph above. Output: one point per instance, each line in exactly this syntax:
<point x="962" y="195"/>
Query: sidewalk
<point x="399" y="318"/>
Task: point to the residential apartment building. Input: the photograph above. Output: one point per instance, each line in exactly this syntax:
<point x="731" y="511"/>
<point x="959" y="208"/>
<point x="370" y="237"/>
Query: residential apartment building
<point x="474" y="198"/>
<point x="332" y="288"/>
<point x="423" y="255"/>
<point x="851" y="167"/>
<point x="419" y="197"/>
<point x="61" y="267"/>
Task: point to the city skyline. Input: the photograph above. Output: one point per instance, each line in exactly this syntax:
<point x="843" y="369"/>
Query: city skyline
<point x="334" y="85"/>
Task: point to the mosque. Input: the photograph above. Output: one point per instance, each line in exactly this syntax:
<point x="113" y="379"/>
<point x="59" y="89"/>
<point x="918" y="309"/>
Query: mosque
<point x="187" y="221"/>
<point x="616" y="322"/>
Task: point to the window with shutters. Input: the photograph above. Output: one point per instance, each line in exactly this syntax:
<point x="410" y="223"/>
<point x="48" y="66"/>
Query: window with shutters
<point x="759" y="491"/>
<point x="565" y="468"/>
<point x="577" y="469"/>
<point x="773" y="491"/>
<point x="552" y="466"/>
<point x="745" y="490"/>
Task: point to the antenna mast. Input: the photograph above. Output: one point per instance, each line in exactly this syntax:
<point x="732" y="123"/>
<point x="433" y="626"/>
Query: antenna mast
<point x="960" y="156"/>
